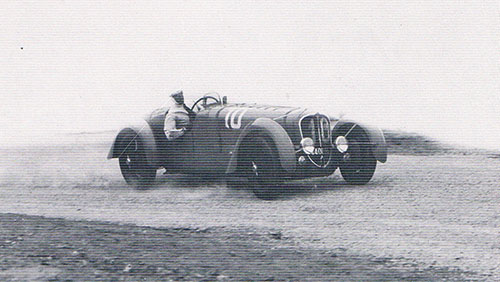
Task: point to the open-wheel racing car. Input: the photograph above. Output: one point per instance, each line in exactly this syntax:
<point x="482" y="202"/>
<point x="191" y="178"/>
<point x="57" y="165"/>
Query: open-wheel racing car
<point x="254" y="145"/>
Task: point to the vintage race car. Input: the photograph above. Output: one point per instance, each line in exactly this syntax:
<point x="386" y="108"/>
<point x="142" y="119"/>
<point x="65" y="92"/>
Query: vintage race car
<point x="259" y="146"/>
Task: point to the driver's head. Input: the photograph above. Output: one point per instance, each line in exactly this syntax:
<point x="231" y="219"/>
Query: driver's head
<point x="178" y="97"/>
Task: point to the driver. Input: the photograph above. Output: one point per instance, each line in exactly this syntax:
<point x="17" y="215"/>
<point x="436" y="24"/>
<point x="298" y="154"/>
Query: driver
<point x="177" y="118"/>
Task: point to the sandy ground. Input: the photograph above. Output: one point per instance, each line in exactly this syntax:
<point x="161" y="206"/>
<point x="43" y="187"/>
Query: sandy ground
<point x="436" y="211"/>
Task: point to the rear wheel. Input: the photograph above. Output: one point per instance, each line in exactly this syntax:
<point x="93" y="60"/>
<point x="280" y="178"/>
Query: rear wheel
<point x="134" y="166"/>
<point x="358" y="165"/>
<point x="260" y="168"/>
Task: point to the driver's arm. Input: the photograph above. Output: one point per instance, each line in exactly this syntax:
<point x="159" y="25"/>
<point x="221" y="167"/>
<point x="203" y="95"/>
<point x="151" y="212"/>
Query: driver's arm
<point x="171" y="132"/>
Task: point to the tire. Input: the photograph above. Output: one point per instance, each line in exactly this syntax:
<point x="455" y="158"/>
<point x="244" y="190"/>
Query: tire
<point x="261" y="169"/>
<point x="359" y="167"/>
<point x="134" y="166"/>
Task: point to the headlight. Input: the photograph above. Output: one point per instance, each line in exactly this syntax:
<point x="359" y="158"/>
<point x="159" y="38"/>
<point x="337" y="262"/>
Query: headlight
<point x="341" y="144"/>
<point x="307" y="145"/>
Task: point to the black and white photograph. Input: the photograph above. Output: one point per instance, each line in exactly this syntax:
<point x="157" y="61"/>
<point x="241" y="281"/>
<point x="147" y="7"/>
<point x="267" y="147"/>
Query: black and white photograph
<point x="250" y="140"/>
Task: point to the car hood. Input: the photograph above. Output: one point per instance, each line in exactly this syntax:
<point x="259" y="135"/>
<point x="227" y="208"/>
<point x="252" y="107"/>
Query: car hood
<point x="288" y="117"/>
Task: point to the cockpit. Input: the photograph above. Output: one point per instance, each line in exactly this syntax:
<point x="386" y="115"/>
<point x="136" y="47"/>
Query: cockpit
<point x="157" y="118"/>
<point x="208" y="100"/>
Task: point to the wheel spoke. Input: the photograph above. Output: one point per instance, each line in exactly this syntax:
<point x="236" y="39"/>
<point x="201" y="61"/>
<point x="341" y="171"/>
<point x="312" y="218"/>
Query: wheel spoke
<point x="255" y="169"/>
<point x="133" y="166"/>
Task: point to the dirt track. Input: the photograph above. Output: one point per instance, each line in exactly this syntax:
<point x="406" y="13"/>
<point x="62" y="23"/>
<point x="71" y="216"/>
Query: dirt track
<point x="439" y="211"/>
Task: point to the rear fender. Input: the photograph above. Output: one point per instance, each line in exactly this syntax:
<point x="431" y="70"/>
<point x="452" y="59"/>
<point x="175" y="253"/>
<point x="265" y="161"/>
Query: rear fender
<point x="141" y="132"/>
<point x="375" y="136"/>
<point x="279" y="138"/>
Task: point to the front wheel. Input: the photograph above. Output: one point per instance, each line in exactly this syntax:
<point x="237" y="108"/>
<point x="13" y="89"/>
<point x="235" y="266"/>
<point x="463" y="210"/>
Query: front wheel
<point x="358" y="165"/>
<point x="134" y="166"/>
<point x="261" y="169"/>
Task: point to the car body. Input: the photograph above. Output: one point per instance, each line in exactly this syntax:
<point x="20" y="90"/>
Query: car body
<point x="258" y="145"/>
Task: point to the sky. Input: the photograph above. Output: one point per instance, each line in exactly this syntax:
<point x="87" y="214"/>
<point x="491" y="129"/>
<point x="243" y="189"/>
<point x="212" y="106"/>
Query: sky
<point x="431" y="67"/>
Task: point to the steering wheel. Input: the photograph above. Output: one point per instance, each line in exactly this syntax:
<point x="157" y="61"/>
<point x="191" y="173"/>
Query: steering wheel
<point x="204" y="104"/>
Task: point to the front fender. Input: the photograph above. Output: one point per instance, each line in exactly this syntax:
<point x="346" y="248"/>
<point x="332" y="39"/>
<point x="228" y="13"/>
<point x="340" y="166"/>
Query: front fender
<point x="143" y="133"/>
<point x="279" y="137"/>
<point x="375" y="137"/>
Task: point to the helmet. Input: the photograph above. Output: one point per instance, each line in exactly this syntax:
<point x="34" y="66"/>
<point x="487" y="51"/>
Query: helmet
<point x="178" y="96"/>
